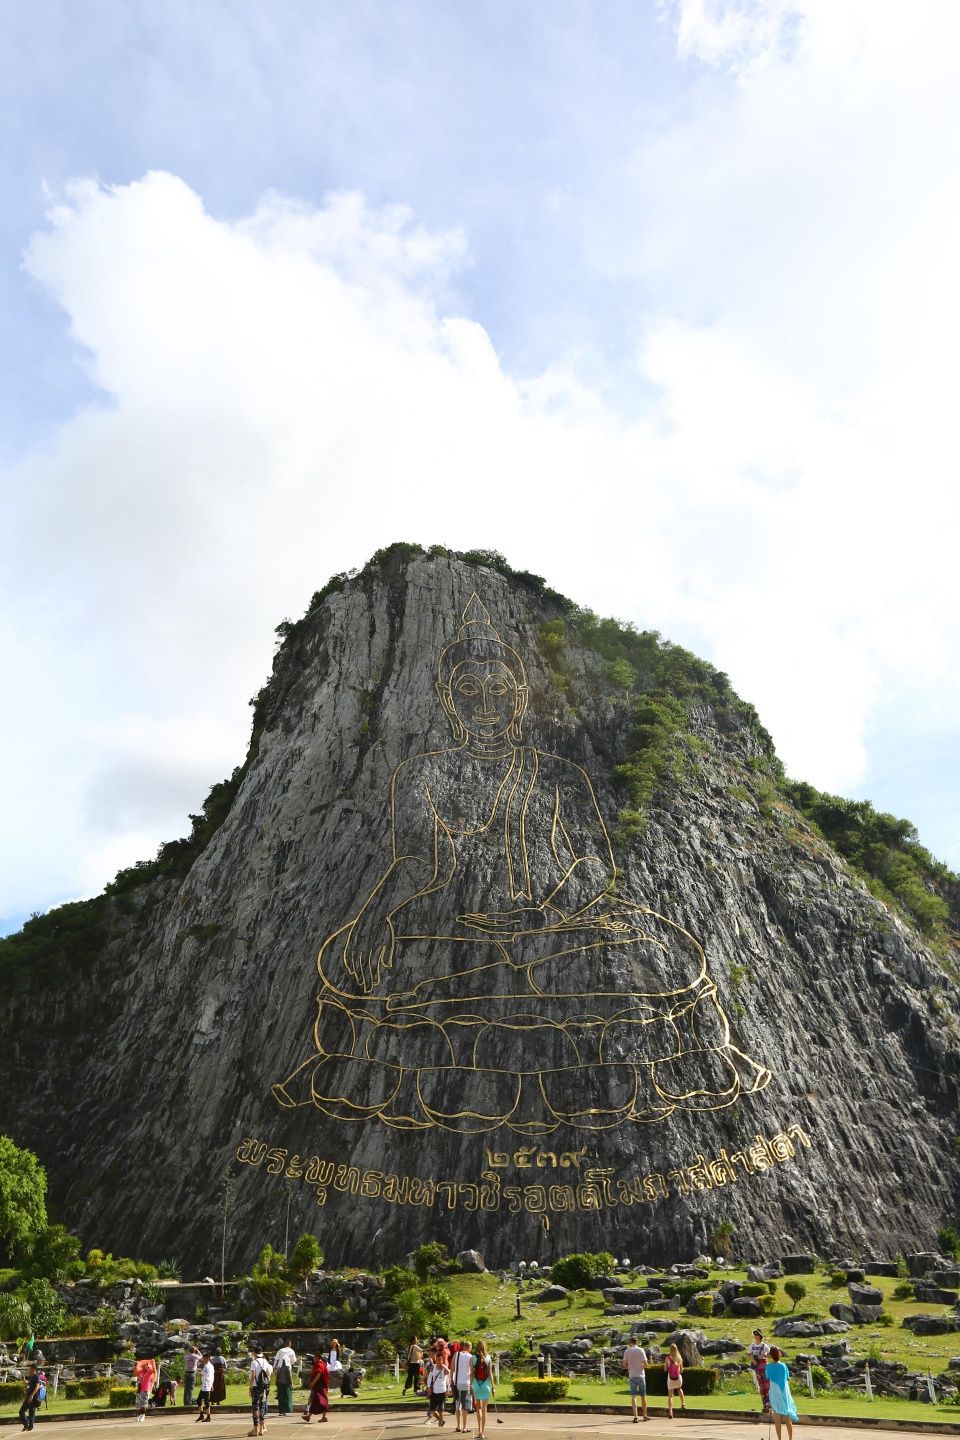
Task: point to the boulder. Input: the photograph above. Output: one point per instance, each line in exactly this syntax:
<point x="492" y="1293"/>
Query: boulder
<point x="552" y="1292"/>
<point x="688" y="1342"/>
<point x="798" y="1264"/>
<point x="746" y="1307"/>
<point x="771" y="1271"/>
<point x="954" y="1362"/>
<point x="728" y="1290"/>
<point x="881" y="1267"/>
<point x="922" y="1262"/>
<point x="950" y="1278"/>
<point x="867" y="1314"/>
<point x="930" y="1324"/>
<point x="855" y="1274"/>
<point x="716" y="1301"/>
<point x="836" y="1349"/>
<point x="934" y="1294"/>
<point x="834" y="1327"/>
<point x="843" y="1312"/>
<point x="472" y="1261"/>
<point x="626" y="1295"/>
<point x="797" y="1329"/>
<point x="865" y="1295"/>
<point x="721" y="1347"/>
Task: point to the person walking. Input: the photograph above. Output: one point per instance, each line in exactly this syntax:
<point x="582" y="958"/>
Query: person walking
<point x="635" y="1363"/>
<point x="31" y="1398"/>
<point x="258" y="1381"/>
<point x="319" y="1401"/>
<point x="144" y="1378"/>
<point x="414" y="1357"/>
<point x="673" y="1364"/>
<point x="481" y="1383"/>
<point x="758" y="1352"/>
<point x="284" y="1370"/>
<point x="781" y="1400"/>
<point x="438" y="1381"/>
<point x="191" y="1360"/>
<point x="206" y="1388"/>
<point x="463" y="1396"/>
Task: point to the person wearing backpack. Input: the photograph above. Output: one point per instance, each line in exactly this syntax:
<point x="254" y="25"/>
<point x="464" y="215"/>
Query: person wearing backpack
<point x="673" y="1365"/>
<point x="259" y="1383"/>
<point x="31" y="1399"/>
<point x="462" y="1368"/>
<point x="481" y="1384"/>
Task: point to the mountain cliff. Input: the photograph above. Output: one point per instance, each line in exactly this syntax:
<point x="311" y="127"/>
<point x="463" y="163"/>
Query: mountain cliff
<point x="509" y="932"/>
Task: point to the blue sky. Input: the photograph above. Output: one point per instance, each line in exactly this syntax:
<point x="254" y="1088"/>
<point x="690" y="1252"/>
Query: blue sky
<point x="659" y="299"/>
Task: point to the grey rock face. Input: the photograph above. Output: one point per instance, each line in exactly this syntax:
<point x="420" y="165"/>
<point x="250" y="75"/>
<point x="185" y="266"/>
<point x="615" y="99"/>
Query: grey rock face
<point x="883" y="1267"/>
<point x="798" y="1264"/>
<point x="934" y="1294"/>
<point x="405" y="990"/>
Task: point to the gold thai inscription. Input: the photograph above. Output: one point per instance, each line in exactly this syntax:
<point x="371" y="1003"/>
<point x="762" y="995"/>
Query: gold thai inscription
<point x="594" y="1189"/>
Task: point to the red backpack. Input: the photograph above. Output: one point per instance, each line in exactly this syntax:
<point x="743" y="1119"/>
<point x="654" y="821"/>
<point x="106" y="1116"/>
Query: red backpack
<point x="480" y="1370"/>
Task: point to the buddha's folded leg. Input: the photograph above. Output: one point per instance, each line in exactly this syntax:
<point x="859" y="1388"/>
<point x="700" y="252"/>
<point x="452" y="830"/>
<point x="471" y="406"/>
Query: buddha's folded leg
<point x="707" y="1072"/>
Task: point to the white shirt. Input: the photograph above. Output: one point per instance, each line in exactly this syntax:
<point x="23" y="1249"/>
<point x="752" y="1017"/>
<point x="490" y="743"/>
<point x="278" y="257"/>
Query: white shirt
<point x="334" y="1361"/>
<point x="206" y="1377"/>
<point x="260" y="1366"/>
<point x="285" y="1356"/>
<point x="461" y="1369"/>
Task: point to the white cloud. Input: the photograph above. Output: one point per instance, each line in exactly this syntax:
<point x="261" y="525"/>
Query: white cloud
<point x="285" y="392"/>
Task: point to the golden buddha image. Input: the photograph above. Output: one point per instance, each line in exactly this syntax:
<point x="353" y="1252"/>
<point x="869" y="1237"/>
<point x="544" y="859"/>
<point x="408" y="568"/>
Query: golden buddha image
<point x="492" y="977"/>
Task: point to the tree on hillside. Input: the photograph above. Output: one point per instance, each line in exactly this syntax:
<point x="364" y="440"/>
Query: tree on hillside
<point x="307" y="1256"/>
<point x="23" y="1204"/>
<point x="796" y="1291"/>
<point x="427" y="1259"/>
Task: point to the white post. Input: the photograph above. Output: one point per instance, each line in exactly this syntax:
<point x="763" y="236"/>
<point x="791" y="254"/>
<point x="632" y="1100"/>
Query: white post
<point x="496" y="1369"/>
<point x="56" y="1379"/>
<point x="603" y="1368"/>
<point x="867" y="1382"/>
<point x="549" y="1366"/>
<point x="810" y="1381"/>
<point x="396" y="1368"/>
<point x="930" y="1389"/>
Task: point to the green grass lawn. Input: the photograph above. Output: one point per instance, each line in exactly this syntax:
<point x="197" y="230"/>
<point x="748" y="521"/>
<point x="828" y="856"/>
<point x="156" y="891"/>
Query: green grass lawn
<point x="476" y="1296"/>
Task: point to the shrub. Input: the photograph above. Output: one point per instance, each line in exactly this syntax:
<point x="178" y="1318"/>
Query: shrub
<point x="902" y="1269"/>
<point x="722" y="1238"/>
<point x="885" y="1319"/>
<point x="237" y="1377"/>
<point x="517" y="1349"/>
<point x="11" y="1390"/>
<point x="838" y="1278"/>
<point x="14" y="1316"/>
<point x="771" y="1287"/>
<point x="280" y="1318"/>
<point x="903" y="1291"/>
<point x="429" y="1258"/>
<point x="307" y="1256"/>
<point x="580" y="1270"/>
<point x="697" y="1380"/>
<point x="385" y="1351"/>
<point x="92" y="1388"/>
<point x="121" y="1396"/>
<point x="168" y="1270"/>
<point x="820" y="1377"/>
<point x="536" y="1391"/>
<point x="702" y="1305"/>
<point x="396" y="1279"/>
<point x="482" y="1322"/>
<point x="754" y="1288"/>
<point x="767" y="1303"/>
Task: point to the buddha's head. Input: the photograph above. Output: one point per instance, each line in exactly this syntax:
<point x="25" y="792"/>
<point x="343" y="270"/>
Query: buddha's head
<point x="481" y="682"/>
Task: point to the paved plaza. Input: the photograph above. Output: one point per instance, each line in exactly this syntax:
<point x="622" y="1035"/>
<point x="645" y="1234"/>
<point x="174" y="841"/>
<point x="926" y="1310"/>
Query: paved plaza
<point x="394" y="1425"/>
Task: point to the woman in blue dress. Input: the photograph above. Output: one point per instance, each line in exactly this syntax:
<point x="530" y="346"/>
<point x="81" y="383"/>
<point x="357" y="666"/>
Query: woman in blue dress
<point x="481" y="1383"/>
<point x="781" y="1401"/>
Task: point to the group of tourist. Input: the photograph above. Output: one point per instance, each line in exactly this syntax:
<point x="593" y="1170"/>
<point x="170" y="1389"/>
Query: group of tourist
<point x="773" y="1381"/>
<point x="452" y="1370"/>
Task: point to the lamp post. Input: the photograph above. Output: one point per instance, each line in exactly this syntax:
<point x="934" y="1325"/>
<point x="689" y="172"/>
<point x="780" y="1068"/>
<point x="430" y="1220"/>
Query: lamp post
<point x="520" y="1273"/>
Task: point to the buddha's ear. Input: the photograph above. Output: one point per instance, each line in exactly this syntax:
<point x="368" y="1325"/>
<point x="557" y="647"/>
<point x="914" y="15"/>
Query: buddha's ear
<point x="523" y="695"/>
<point x="446" y="700"/>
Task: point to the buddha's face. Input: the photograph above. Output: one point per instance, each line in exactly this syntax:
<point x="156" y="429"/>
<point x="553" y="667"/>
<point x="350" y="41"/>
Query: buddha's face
<point x="483" y="698"/>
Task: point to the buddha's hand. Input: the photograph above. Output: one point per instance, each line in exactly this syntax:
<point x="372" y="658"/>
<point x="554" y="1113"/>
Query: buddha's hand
<point x="369" y="949"/>
<point x="512" y="922"/>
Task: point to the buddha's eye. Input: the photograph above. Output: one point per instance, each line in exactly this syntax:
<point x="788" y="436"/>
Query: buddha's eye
<point x="467" y="687"/>
<point x="498" y="688"/>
